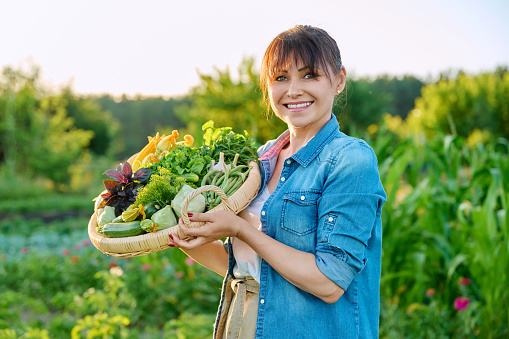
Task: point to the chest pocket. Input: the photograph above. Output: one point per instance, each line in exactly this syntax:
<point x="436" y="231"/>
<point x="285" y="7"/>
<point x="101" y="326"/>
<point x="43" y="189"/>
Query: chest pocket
<point x="300" y="212"/>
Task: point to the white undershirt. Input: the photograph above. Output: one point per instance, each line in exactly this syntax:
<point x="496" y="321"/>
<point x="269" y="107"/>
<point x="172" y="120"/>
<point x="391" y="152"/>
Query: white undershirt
<point x="248" y="262"/>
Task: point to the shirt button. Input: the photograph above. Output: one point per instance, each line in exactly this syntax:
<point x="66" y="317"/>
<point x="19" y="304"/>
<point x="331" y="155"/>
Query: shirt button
<point x="283" y="179"/>
<point x="288" y="162"/>
<point x="303" y="198"/>
<point x="262" y="301"/>
<point x="263" y="213"/>
<point x="330" y="219"/>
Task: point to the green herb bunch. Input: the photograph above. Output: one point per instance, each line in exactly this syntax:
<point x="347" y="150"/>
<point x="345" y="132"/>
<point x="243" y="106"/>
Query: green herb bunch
<point x="224" y="140"/>
<point x="162" y="187"/>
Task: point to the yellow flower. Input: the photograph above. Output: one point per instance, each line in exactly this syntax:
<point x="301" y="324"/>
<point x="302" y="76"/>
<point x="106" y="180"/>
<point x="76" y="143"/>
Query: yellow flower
<point x="132" y="212"/>
<point x="188" y="140"/>
<point x="167" y="142"/>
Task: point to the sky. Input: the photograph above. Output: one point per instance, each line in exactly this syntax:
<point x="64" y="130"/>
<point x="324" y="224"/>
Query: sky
<point x="157" y="47"/>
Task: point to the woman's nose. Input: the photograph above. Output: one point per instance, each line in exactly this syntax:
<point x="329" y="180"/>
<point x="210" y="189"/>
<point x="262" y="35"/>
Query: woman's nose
<point x="294" y="89"/>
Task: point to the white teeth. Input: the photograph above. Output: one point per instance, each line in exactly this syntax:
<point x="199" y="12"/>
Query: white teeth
<point x="306" y="104"/>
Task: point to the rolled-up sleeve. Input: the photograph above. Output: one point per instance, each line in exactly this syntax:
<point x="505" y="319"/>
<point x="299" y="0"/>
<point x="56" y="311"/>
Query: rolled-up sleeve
<point x="348" y="210"/>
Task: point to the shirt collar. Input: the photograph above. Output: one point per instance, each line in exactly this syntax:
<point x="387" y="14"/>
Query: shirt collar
<point x="274" y="150"/>
<point x="309" y="151"/>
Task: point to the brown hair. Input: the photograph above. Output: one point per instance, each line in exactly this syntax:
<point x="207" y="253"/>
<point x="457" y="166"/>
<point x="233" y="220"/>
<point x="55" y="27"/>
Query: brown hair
<point x="313" y="46"/>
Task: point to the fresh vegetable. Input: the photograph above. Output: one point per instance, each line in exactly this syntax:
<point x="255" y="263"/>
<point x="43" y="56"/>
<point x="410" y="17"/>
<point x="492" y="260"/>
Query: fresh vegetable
<point x="118" y="219"/>
<point x="161" y="189"/>
<point x="157" y="147"/>
<point x="164" y="218"/>
<point x="166" y="171"/>
<point x="124" y="174"/>
<point x="186" y="162"/>
<point x="150" y="148"/>
<point x="224" y="140"/>
<point x="107" y="216"/>
<point x="97" y="201"/>
<point x="122" y="192"/>
<point x="151" y="208"/>
<point x="196" y="205"/>
<point x="133" y="212"/>
<point x="148" y="225"/>
<point x="229" y="180"/>
<point x="121" y="230"/>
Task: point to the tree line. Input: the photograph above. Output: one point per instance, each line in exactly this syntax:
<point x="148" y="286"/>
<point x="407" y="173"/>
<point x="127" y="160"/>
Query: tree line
<point x="45" y="131"/>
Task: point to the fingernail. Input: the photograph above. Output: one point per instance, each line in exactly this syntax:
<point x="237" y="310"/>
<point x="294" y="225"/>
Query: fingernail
<point x="171" y="236"/>
<point x="171" y="244"/>
<point x="190" y="215"/>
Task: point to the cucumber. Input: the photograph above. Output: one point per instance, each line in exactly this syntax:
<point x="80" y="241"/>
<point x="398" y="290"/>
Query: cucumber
<point x="122" y="229"/>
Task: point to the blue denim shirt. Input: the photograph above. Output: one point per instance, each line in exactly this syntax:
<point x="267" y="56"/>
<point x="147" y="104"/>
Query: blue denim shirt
<point x="328" y="202"/>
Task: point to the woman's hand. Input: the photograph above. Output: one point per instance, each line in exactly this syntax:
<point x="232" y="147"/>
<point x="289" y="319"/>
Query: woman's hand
<point x="218" y="225"/>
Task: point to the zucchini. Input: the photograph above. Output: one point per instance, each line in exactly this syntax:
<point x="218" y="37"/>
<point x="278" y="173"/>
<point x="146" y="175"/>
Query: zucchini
<point x="122" y="229"/>
<point x="150" y="209"/>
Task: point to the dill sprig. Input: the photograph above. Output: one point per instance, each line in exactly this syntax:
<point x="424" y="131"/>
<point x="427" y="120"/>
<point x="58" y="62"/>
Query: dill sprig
<point x="161" y="188"/>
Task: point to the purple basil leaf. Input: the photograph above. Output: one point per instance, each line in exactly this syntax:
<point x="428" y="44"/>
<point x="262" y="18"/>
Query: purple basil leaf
<point x="114" y="174"/>
<point x="127" y="170"/>
<point x="142" y="174"/>
<point x="112" y="185"/>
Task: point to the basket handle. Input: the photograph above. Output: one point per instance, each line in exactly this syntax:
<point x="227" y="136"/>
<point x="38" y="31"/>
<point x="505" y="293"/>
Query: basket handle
<point x="195" y="193"/>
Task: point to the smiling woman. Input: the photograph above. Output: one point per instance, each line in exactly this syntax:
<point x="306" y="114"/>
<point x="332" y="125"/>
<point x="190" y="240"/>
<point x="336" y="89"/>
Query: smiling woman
<point x="303" y="259"/>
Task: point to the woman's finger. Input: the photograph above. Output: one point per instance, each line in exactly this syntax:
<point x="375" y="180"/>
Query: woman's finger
<point x="175" y="240"/>
<point x="195" y="242"/>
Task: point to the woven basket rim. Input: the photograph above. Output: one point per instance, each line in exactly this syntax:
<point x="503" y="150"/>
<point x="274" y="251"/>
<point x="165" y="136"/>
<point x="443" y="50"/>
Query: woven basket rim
<point x="153" y="242"/>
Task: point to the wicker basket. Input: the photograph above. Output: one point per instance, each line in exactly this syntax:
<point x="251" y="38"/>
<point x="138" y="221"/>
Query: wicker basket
<point x="153" y="242"/>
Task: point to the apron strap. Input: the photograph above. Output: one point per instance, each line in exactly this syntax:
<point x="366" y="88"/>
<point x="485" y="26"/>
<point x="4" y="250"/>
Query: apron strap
<point x="235" y="302"/>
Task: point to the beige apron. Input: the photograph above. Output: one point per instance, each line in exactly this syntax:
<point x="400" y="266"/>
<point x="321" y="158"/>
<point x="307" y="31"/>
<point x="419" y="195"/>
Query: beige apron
<point x="240" y="309"/>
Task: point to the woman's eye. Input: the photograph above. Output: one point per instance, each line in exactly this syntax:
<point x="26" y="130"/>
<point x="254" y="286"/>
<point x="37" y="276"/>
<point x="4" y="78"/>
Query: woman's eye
<point x="281" y="78"/>
<point x="309" y="76"/>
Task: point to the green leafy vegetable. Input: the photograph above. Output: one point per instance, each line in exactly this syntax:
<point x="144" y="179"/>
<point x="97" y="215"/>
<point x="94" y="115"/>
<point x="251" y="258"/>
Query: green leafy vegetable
<point x="186" y="162"/>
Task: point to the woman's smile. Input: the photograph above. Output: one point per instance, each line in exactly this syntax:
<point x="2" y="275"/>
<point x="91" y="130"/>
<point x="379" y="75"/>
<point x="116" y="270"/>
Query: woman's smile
<point x="298" y="106"/>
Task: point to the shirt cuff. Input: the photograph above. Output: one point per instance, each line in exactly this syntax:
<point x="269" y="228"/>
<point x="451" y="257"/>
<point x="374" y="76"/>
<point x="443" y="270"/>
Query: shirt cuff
<point x="335" y="269"/>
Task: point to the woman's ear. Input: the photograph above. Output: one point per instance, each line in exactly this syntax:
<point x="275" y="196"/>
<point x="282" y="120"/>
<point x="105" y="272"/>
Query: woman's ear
<point x="341" y="80"/>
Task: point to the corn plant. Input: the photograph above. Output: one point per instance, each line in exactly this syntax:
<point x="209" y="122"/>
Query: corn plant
<point x="445" y="233"/>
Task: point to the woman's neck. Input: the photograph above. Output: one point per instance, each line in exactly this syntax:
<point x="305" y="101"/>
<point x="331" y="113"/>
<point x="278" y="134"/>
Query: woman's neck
<point x="299" y="137"/>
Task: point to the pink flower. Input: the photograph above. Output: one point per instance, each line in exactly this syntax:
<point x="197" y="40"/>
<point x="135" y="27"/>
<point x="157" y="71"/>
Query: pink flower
<point x="86" y="242"/>
<point x="77" y="247"/>
<point x="178" y="275"/>
<point x="464" y="281"/>
<point x="66" y="252"/>
<point x="25" y="250"/>
<point x="145" y="267"/>
<point x="461" y="303"/>
<point x="430" y="292"/>
<point x="189" y="261"/>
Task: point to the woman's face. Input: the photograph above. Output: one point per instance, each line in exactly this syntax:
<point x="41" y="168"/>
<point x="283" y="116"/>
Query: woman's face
<point x="303" y="99"/>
